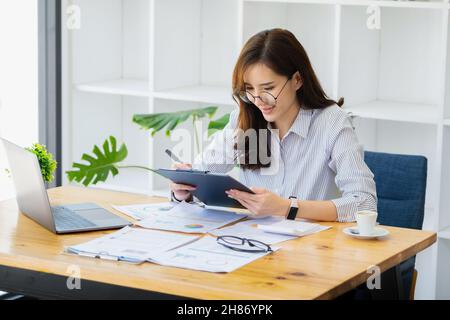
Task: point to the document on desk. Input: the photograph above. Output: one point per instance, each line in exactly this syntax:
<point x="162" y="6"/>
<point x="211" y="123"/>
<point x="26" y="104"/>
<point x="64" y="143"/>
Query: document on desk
<point x="207" y="255"/>
<point x="134" y="245"/>
<point x="252" y="229"/>
<point x="189" y="218"/>
<point x="293" y="228"/>
<point x="143" y="211"/>
<point x="248" y="229"/>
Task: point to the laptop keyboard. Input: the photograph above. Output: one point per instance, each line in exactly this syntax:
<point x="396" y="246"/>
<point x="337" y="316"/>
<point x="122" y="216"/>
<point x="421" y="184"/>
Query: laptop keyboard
<point x="66" y="219"/>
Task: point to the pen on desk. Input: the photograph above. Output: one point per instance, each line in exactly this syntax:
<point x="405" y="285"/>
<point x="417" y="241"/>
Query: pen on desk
<point x="173" y="156"/>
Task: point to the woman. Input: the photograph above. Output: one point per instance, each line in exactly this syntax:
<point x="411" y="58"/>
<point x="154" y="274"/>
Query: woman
<point x="312" y="149"/>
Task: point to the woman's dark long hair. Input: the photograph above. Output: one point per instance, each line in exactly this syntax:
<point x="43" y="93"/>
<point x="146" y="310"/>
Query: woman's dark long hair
<point x="279" y="50"/>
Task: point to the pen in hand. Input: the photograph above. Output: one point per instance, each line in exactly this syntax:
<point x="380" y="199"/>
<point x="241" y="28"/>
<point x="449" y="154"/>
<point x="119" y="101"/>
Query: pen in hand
<point x="179" y="165"/>
<point x="173" y="156"/>
<point x="180" y="192"/>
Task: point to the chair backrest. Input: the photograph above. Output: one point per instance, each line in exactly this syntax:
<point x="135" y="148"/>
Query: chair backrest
<point x="401" y="184"/>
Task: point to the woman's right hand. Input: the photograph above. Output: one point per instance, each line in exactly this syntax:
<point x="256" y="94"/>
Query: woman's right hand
<point x="182" y="192"/>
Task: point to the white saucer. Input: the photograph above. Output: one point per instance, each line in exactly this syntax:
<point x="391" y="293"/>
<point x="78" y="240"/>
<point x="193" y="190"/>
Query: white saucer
<point x="377" y="233"/>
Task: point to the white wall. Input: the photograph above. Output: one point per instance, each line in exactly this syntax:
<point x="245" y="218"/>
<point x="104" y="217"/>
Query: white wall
<point x="18" y="79"/>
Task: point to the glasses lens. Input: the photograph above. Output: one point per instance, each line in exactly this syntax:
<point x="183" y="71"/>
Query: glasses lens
<point x="268" y="99"/>
<point x="232" y="240"/>
<point x="243" y="245"/>
<point x="246" y="97"/>
<point x="257" y="245"/>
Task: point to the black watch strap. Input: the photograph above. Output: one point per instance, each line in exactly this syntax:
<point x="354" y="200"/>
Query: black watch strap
<point x="293" y="210"/>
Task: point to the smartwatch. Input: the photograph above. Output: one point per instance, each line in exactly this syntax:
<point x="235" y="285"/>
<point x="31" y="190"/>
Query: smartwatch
<point x="293" y="209"/>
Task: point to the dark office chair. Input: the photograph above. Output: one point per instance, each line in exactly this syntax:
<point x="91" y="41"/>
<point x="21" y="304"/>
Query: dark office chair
<point x="401" y="184"/>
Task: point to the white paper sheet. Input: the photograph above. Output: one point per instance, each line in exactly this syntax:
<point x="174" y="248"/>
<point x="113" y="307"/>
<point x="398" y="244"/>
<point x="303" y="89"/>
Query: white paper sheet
<point x="247" y="229"/>
<point x="292" y="228"/>
<point x="131" y="244"/>
<point x="143" y="211"/>
<point x="189" y="218"/>
<point x="207" y="255"/>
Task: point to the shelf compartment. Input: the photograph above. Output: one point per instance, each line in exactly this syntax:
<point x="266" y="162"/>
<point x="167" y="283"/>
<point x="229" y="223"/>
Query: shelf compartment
<point x="126" y="87"/>
<point x="196" y="44"/>
<point x="374" y="65"/>
<point x="98" y="116"/>
<point x="308" y="22"/>
<point x="113" y="42"/>
<point x="408" y="138"/>
<point x="395" y="111"/>
<point x="203" y="94"/>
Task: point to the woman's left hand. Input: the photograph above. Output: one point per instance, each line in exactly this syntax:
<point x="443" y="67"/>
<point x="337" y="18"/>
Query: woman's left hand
<point x="262" y="203"/>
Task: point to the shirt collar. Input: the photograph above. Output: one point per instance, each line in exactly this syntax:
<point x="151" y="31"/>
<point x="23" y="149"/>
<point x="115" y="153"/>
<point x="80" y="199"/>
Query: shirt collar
<point x="301" y="124"/>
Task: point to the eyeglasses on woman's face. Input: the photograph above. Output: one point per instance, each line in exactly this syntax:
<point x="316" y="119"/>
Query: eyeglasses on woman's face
<point x="266" y="97"/>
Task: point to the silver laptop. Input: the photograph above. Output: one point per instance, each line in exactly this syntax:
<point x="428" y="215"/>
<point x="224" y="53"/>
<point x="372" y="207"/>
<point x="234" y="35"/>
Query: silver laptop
<point x="33" y="200"/>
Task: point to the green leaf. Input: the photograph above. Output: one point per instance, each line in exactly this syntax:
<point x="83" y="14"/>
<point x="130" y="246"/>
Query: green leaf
<point x="160" y="125"/>
<point x="170" y="121"/>
<point x="218" y="124"/>
<point x="171" y="126"/>
<point x="100" y="165"/>
<point x="209" y="111"/>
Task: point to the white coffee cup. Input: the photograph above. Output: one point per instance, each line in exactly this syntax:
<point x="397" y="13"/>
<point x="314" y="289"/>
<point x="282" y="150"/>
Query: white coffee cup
<point x="366" y="221"/>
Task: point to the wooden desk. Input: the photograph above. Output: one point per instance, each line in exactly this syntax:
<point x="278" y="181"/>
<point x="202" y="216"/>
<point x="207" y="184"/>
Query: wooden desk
<point x="320" y="266"/>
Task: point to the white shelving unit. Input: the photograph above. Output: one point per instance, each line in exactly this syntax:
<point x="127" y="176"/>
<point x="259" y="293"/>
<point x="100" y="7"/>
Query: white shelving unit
<point x="147" y="56"/>
<point x="121" y="87"/>
<point x="395" y="111"/>
<point x="200" y="93"/>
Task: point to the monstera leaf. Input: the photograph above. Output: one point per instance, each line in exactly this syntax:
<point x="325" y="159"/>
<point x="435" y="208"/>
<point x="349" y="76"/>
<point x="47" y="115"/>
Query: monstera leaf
<point x="158" y="121"/>
<point x="218" y="125"/>
<point x="100" y="165"/>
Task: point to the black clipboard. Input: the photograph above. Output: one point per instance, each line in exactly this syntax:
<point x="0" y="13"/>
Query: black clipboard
<point x="210" y="187"/>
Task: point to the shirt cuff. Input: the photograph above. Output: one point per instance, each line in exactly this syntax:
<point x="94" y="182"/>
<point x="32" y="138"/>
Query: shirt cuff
<point x="346" y="209"/>
<point x="348" y="206"/>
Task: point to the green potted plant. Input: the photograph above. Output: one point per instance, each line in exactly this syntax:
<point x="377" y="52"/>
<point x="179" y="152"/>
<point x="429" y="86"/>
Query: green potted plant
<point x="47" y="164"/>
<point x="107" y="159"/>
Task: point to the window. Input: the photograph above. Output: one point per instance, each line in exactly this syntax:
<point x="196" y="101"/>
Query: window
<point x="18" y="79"/>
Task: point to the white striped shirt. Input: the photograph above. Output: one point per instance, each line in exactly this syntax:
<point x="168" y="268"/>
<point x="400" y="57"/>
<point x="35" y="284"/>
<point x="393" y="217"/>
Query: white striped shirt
<point x="319" y="158"/>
